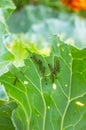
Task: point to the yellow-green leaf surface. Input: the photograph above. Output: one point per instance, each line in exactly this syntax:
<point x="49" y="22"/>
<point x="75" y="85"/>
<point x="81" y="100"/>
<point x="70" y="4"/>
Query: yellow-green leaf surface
<point x="50" y="90"/>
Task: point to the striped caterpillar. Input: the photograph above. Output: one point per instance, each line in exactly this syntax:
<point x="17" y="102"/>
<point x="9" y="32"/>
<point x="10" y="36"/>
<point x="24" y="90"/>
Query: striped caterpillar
<point x="54" y="69"/>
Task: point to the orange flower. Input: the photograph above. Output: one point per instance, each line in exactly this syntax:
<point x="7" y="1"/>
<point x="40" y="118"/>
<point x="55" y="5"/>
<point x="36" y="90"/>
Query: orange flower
<point x="76" y="5"/>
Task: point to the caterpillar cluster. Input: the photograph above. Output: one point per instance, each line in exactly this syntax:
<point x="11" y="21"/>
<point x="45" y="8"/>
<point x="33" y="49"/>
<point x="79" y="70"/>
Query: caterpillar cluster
<point x="53" y="70"/>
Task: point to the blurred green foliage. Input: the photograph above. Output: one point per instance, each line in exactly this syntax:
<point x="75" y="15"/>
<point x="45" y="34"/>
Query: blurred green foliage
<point x="20" y="3"/>
<point x="55" y="4"/>
<point x="38" y="23"/>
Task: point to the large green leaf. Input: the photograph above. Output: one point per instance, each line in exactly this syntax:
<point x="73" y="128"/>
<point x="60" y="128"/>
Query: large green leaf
<point x="50" y="90"/>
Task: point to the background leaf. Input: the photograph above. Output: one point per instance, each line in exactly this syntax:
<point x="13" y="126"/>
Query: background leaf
<point x="38" y="23"/>
<point x="6" y="8"/>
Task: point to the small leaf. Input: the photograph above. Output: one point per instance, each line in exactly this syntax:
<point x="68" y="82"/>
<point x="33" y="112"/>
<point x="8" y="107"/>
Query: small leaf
<point x="6" y="110"/>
